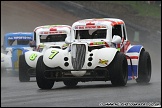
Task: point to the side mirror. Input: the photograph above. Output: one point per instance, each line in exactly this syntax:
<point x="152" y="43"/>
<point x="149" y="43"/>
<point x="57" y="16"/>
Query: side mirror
<point x="116" y="39"/>
<point x="32" y="44"/>
<point x="67" y="40"/>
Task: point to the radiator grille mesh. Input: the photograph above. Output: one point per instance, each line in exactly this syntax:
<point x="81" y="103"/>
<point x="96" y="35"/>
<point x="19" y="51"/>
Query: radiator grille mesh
<point x="78" y="56"/>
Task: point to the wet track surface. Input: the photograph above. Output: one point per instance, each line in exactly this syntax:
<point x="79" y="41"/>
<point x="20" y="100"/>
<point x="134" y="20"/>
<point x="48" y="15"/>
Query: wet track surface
<point x="15" y="93"/>
<point x="89" y="94"/>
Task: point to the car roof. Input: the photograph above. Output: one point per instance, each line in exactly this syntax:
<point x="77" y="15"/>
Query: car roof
<point x="52" y="26"/>
<point x="111" y="21"/>
<point x="13" y="34"/>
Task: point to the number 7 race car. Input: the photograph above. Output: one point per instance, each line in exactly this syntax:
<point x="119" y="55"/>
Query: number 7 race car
<point x="45" y="37"/>
<point x="99" y="50"/>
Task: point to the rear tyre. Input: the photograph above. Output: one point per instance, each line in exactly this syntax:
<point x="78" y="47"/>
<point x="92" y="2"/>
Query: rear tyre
<point x="42" y="82"/>
<point x="144" y="68"/>
<point x="118" y="70"/>
<point x="70" y="83"/>
<point x="23" y="69"/>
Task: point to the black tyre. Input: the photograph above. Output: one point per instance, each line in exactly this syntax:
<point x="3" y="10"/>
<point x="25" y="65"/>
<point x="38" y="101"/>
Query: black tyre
<point x="70" y="83"/>
<point x="23" y="69"/>
<point x="144" y="68"/>
<point x="118" y="70"/>
<point x="42" y="82"/>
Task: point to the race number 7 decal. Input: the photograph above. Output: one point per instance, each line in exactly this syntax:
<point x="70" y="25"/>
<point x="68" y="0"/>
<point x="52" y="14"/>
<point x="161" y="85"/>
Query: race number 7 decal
<point x="54" y="52"/>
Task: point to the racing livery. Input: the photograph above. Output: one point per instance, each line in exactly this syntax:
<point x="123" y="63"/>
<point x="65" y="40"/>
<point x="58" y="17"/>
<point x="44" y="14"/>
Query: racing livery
<point x="99" y="50"/>
<point x="14" y="45"/>
<point x="45" y="37"/>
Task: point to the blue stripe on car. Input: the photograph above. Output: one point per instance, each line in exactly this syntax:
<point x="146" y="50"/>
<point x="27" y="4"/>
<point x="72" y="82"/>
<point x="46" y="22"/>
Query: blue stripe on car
<point x="135" y="48"/>
<point x="130" y="71"/>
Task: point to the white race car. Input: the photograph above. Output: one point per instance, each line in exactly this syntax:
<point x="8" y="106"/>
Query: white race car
<point x="99" y="51"/>
<point x="45" y="37"/>
<point x="5" y="62"/>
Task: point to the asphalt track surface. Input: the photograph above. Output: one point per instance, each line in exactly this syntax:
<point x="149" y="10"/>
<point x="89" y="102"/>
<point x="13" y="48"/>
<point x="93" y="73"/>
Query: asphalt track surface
<point x="25" y="16"/>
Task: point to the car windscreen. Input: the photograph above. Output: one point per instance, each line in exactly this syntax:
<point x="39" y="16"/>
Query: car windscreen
<point x="53" y="38"/>
<point x="90" y="34"/>
<point x="18" y="42"/>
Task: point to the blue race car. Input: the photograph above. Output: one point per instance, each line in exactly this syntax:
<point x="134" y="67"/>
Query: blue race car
<point x="14" y="45"/>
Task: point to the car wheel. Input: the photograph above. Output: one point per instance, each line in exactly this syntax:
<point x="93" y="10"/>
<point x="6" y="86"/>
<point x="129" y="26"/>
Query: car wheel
<point x="70" y="83"/>
<point x="42" y="82"/>
<point x="23" y="69"/>
<point x="144" y="67"/>
<point x="118" y="70"/>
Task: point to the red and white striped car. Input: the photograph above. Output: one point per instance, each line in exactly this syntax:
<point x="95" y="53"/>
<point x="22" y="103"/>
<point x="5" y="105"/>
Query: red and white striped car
<point x="99" y="51"/>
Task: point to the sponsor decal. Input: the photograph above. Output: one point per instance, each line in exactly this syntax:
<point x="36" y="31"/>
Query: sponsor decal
<point x="89" y="27"/>
<point x="98" y="43"/>
<point x="53" y="32"/>
<point x="20" y="37"/>
<point x="102" y="61"/>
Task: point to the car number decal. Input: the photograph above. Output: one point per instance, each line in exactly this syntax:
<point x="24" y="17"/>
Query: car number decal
<point x="33" y="56"/>
<point x="54" y="52"/>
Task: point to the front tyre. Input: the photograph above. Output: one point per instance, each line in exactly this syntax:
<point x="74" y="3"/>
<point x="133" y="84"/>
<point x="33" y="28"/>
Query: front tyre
<point x="118" y="70"/>
<point x="144" y="67"/>
<point x="42" y="82"/>
<point x="23" y="69"/>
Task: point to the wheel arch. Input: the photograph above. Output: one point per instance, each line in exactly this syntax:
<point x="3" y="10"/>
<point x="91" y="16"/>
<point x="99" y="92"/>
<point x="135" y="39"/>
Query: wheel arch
<point x="32" y="63"/>
<point x="107" y="54"/>
<point x="133" y="55"/>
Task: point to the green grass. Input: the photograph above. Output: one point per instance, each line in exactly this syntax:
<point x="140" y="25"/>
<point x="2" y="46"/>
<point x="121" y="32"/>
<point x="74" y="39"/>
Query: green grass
<point x="143" y="8"/>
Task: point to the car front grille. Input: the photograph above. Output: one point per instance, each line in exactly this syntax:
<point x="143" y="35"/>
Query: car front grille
<point x="78" y="56"/>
